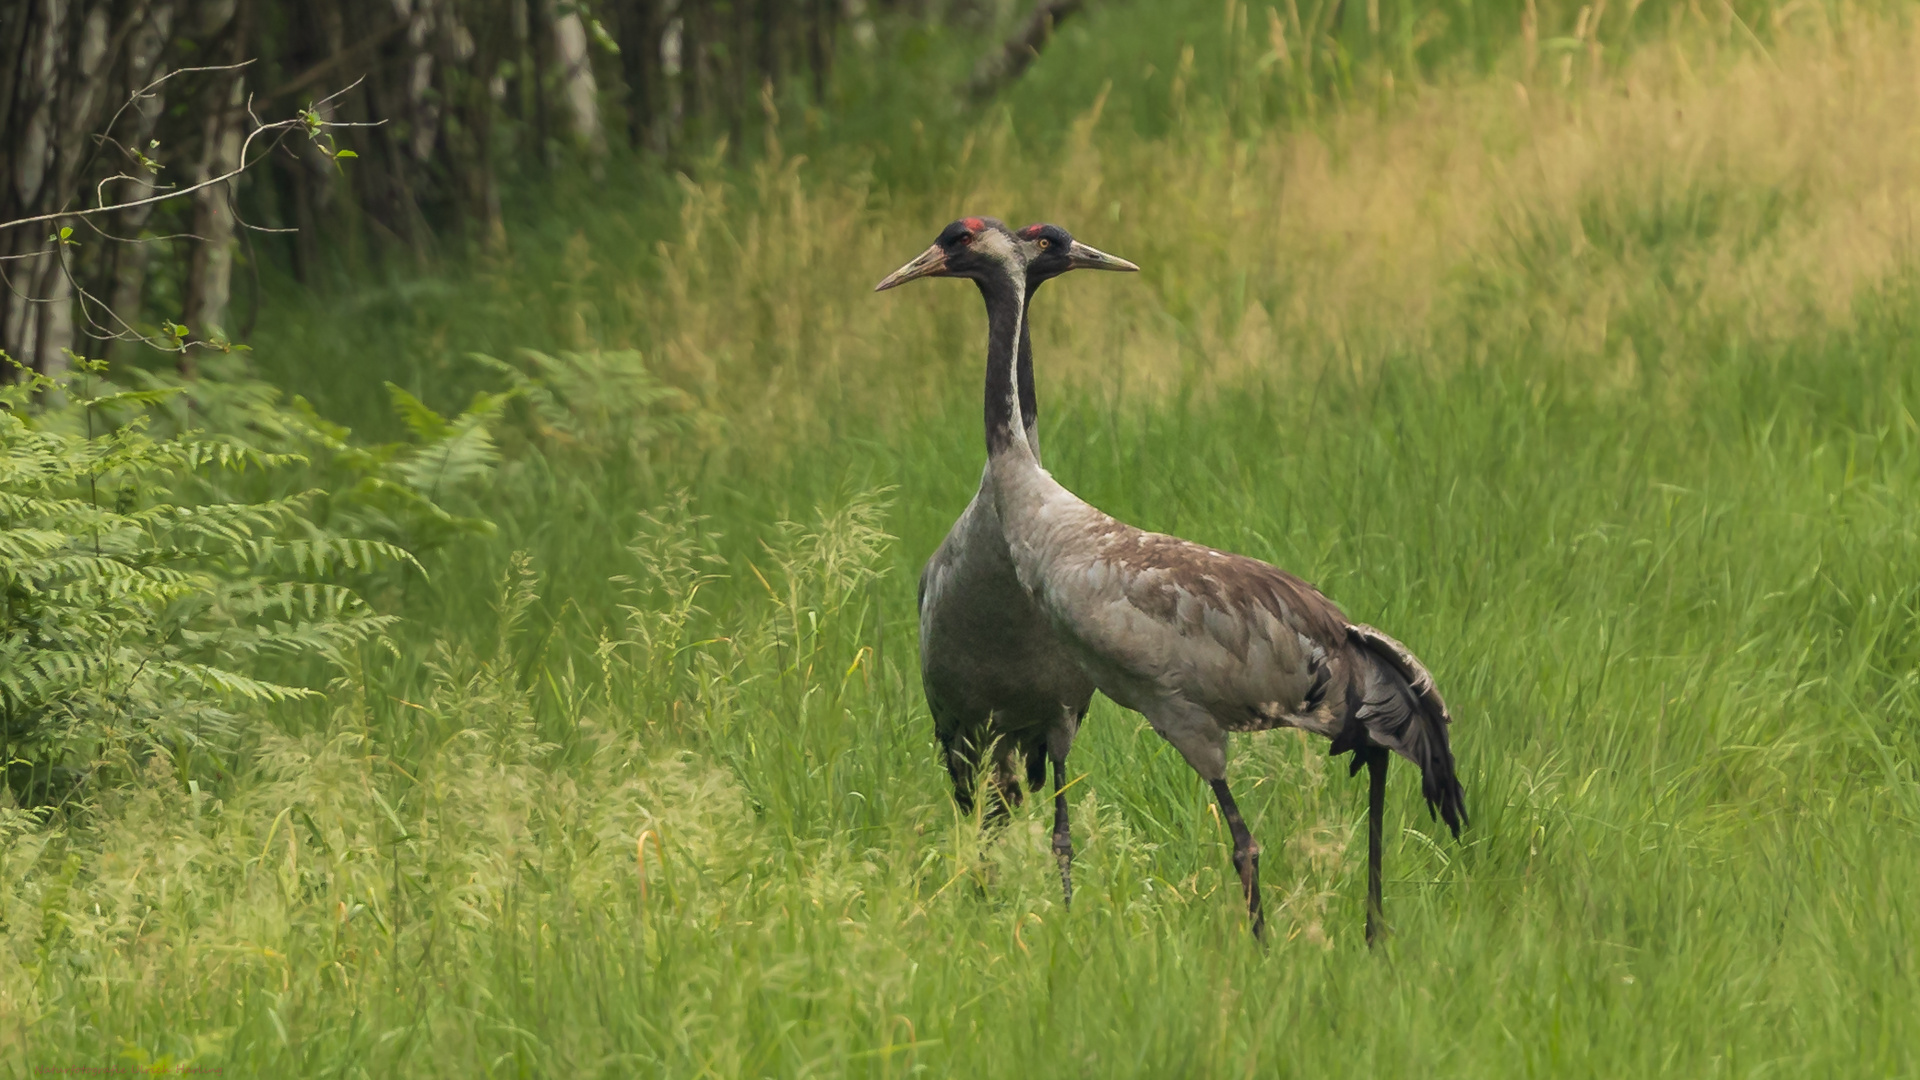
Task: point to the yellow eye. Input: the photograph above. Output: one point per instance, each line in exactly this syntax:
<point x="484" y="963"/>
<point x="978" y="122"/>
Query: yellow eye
<point x="1045" y="243"/>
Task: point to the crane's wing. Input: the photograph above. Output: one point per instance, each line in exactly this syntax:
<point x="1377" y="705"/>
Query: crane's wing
<point x="1401" y="659"/>
<point x="1226" y="629"/>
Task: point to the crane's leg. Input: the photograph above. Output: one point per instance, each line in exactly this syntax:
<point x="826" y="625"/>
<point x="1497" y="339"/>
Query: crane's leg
<point x="1376" y="805"/>
<point x="1062" y="835"/>
<point x="1246" y="855"/>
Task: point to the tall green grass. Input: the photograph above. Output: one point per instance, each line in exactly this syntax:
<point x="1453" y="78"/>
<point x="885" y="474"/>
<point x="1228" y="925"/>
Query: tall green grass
<point x="1680" y="642"/>
<point x="647" y="786"/>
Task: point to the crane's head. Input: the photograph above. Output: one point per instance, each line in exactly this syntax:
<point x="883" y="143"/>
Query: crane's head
<point x="1051" y="251"/>
<point x="973" y="247"/>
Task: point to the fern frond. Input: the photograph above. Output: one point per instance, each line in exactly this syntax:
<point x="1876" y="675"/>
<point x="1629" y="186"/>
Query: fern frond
<point x="324" y="555"/>
<point x="228" y="453"/>
<point x="230" y="683"/>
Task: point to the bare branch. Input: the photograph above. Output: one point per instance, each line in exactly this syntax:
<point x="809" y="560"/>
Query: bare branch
<point x="100" y="195"/>
<point x="161" y="343"/>
<point x="1008" y="62"/>
<point x="105" y="235"/>
<point x="147" y="90"/>
<point x="144" y="93"/>
<point x="234" y="209"/>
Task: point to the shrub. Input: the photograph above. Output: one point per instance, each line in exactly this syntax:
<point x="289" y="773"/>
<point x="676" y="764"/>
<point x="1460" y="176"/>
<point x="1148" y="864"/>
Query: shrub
<point x="161" y="564"/>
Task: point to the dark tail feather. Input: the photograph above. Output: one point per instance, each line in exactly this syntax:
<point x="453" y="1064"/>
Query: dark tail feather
<point x="1399" y="709"/>
<point x="985" y="768"/>
<point x="963" y="765"/>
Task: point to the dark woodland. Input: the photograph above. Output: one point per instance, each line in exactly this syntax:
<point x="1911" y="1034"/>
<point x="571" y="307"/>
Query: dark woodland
<point x="381" y="127"/>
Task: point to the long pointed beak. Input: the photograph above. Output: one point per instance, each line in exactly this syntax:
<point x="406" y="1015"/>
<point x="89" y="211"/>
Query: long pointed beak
<point x="1087" y="258"/>
<point x="929" y="263"/>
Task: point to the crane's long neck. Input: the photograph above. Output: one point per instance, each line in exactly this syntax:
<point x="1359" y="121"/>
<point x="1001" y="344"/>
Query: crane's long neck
<point x="1006" y="318"/>
<point x="1023" y="373"/>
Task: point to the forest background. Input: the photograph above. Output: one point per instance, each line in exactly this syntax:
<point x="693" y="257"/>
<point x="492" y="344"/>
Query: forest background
<point x="458" y="568"/>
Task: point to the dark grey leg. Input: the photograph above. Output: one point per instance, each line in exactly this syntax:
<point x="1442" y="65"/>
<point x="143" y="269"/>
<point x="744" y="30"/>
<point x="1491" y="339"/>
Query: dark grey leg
<point x="1376" y="804"/>
<point x="1062" y="835"/>
<point x="1246" y="856"/>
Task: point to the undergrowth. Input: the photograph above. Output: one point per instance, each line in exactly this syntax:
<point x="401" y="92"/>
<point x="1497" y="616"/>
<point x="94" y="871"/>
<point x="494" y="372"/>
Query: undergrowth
<point x="169" y="560"/>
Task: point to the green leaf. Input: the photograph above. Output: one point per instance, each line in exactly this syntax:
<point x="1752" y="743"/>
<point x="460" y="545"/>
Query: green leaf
<point x="423" y="421"/>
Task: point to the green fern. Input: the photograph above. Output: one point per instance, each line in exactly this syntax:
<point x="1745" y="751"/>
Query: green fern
<point x="144" y="580"/>
<point x="596" y="404"/>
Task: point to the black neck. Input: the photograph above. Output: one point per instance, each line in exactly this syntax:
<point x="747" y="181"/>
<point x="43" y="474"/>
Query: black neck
<point x="1005" y="332"/>
<point x="1023" y="375"/>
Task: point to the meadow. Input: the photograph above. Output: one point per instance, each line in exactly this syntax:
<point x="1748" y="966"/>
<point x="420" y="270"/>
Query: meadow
<point x="1590" y="373"/>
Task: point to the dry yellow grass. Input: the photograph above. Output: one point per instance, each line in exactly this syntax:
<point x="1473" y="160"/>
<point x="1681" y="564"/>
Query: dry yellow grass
<point x="1613" y="210"/>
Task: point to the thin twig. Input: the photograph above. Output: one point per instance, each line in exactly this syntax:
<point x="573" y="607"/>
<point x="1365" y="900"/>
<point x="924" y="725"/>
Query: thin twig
<point x="146" y="91"/>
<point x="130" y="333"/>
<point x="105" y="235"/>
<point x="234" y="209"/>
<point x="282" y="128"/>
<point x="140" y="94"/>
<point x="100" y="196"/>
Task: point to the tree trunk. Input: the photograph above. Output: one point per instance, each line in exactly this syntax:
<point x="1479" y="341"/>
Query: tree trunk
<point x="127" y="262"/>
<point x="576" y="80"/>
<point x="209" y="283"/>
<point x="639" y="28"/>
<point x="210" y="267"/>
<point x="540" y="42"/>
<point x="465" y="49"/>
<point x="820" y="44"/>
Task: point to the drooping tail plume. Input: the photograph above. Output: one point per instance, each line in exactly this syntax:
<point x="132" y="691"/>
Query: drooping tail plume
<point x="1398" y="708"/>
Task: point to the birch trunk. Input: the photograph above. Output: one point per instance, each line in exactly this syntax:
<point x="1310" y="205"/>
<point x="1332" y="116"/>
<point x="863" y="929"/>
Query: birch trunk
<point x="145" y="63"/>
<point x="39" y="34"/>
<point x="210" y="267"/>
<point x="576" y="80"/>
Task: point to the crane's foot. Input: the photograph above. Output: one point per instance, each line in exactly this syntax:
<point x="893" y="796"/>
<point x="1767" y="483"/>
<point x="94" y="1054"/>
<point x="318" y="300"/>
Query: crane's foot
<point x="1063" y="855"/>
<point x="1247" y="862"/>
<point x="1377" y="929"/>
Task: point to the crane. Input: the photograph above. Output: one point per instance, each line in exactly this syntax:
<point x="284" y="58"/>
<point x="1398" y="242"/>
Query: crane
<point x="1201" y="642"/>
<point x="998" y="680"/>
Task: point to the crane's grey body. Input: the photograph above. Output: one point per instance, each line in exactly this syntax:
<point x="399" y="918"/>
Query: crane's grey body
<point x="997" y="677"/>
<point x="1203" y="642"/>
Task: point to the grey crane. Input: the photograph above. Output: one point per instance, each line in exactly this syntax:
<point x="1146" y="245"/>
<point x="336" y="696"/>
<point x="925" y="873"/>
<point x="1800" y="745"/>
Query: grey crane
<point x="998" y="680"/>
<point x="1201" y="642"/>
